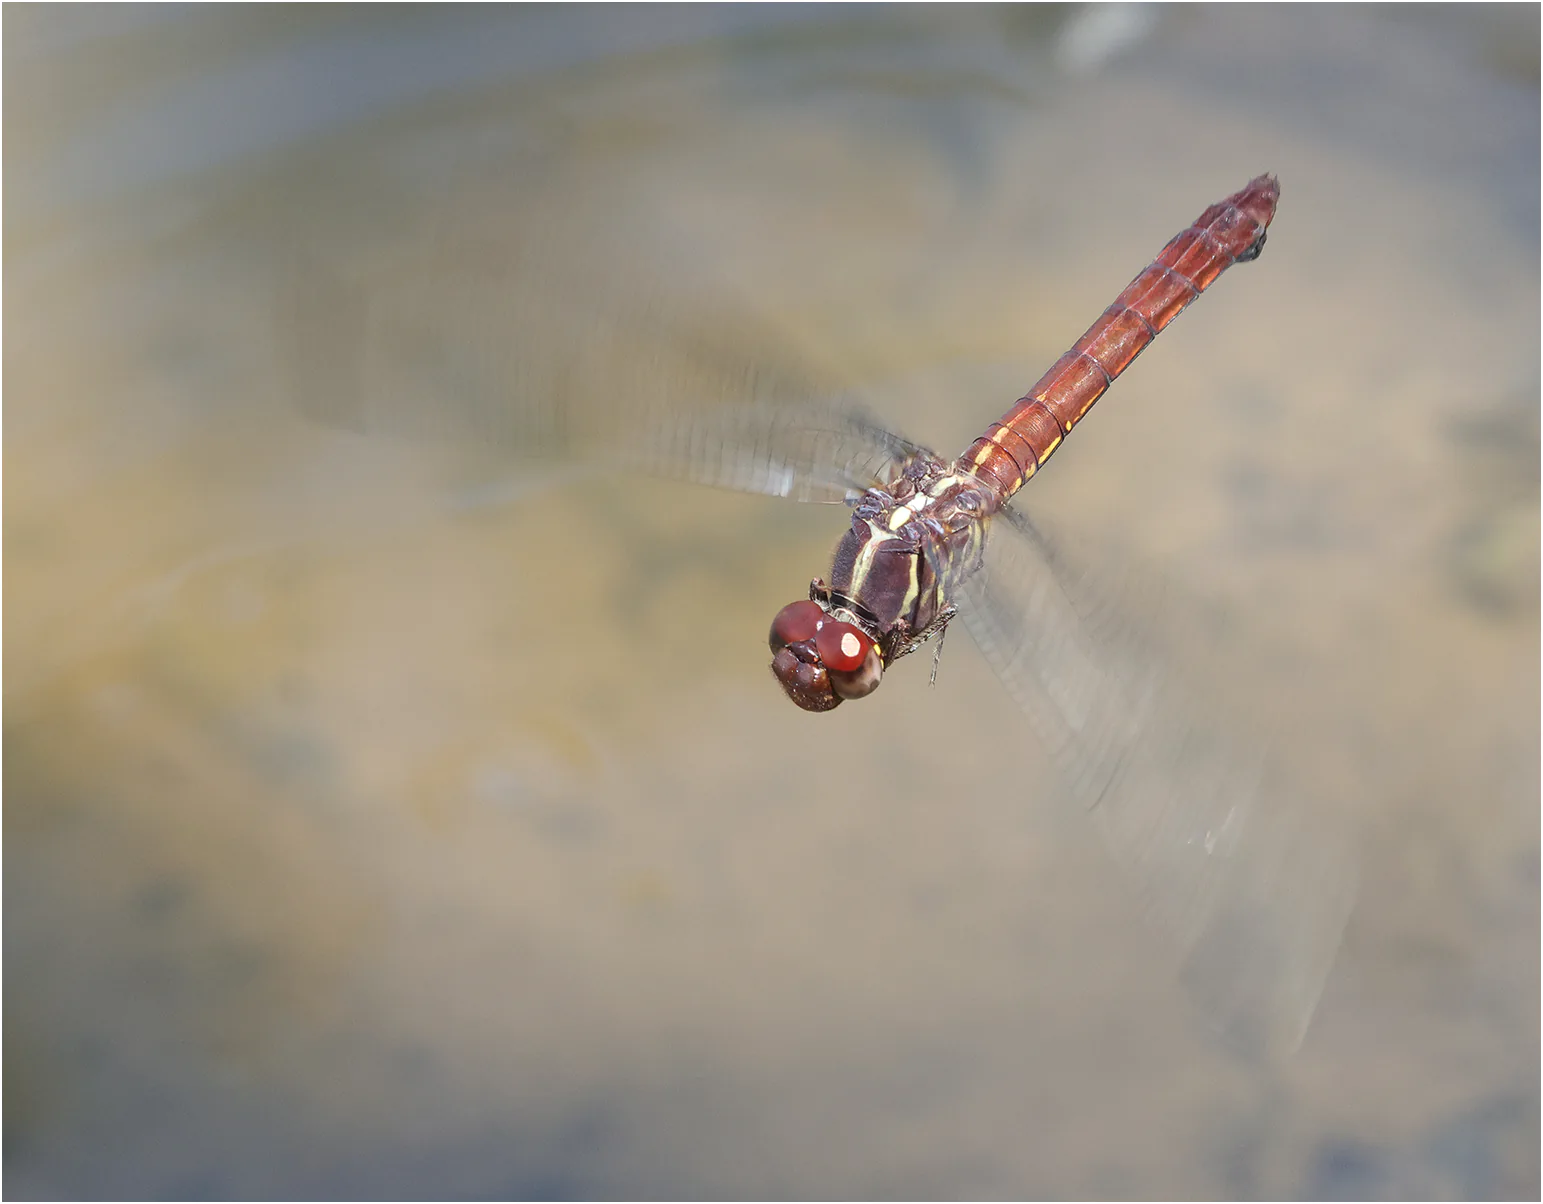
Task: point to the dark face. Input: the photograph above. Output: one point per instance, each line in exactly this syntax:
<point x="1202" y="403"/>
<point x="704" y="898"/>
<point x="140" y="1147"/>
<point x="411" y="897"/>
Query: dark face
<point x="821" y="660"/>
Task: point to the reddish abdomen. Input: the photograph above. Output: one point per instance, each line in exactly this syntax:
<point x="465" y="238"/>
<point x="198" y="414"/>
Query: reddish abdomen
<point x="1012" y="449"/>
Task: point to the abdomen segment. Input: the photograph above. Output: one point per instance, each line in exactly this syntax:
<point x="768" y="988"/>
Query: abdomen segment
<point x="1231" y="231"/>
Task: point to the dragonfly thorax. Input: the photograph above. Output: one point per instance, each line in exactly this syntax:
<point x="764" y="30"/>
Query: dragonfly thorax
<point x="891" y="579"/>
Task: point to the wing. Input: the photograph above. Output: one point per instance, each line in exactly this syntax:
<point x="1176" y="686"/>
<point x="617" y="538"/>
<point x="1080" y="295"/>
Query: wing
<point x="545" y="365"/>
<point x="1254" y="881"/>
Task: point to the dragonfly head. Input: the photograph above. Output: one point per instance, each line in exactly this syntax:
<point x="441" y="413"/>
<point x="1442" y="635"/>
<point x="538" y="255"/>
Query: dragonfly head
<point x="821" y="660"/>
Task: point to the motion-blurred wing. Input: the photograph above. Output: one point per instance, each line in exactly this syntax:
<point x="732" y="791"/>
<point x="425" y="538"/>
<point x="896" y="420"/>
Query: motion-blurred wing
<point x="461" y="351"/>
<point x="1254" y="882"/>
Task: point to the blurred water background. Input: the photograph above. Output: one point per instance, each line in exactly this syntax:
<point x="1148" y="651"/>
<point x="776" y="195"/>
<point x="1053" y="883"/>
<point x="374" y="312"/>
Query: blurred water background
<point x="382" y="820"/>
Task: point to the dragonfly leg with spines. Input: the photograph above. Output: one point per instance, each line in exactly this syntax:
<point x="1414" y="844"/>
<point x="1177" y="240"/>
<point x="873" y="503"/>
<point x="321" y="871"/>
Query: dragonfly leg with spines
<point x="908" y="643"/>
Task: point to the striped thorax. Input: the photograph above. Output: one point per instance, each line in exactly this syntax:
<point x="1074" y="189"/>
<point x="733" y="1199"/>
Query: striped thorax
<point x="893" y="578"/>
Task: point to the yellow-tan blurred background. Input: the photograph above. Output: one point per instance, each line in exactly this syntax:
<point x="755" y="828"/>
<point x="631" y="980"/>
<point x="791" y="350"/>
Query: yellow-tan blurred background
<point x="385" y="819"/>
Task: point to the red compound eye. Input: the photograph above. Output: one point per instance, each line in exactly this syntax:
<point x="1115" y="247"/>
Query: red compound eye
<point x="841" y="646"/>
<point x="795" y="623"/>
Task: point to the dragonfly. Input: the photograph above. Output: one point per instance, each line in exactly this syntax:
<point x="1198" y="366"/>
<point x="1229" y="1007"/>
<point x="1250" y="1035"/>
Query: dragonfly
<point x="1252" y="883"/>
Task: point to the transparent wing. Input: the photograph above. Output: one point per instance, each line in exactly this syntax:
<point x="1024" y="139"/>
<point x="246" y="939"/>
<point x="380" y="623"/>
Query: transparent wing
<point x="1254" y="881"/>
<point x="514" y="349"/>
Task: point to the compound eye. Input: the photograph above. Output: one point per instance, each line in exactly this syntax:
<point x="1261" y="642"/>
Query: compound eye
<point x="861" y="681"/>
<point x="841" y="646"/>
<point x="795" y="623"/>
